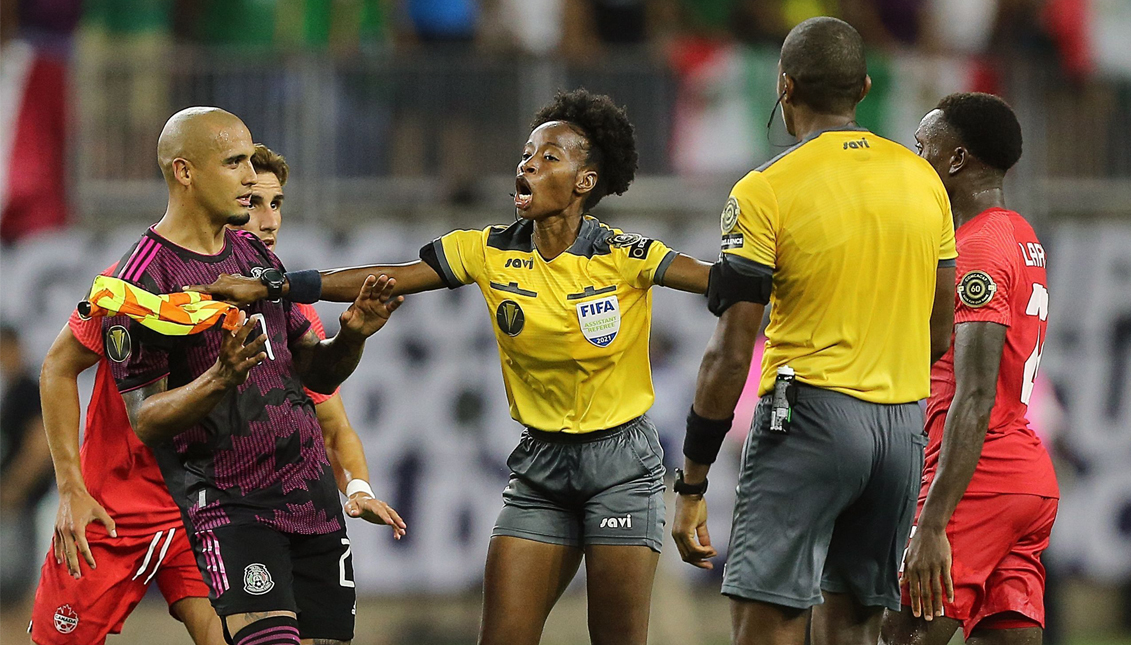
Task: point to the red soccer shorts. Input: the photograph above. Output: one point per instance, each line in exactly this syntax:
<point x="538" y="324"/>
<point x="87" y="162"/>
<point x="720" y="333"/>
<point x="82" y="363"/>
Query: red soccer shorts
<point x="996" y="541"/>
<point x="68" y="611"/>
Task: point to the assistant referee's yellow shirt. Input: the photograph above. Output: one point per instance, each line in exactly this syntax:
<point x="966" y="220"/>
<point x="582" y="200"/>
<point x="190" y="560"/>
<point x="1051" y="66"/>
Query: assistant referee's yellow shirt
<point x="854" y="227"/>
<point x="572" y="331"/>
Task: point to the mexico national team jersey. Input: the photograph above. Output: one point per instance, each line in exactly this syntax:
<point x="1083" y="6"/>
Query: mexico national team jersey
<point x="119" y="471"/>
<point x="854" y="228"/>
<point x="258" y="457"/>
<point x="1001" y="279"/>
<point x="572" y="331"/>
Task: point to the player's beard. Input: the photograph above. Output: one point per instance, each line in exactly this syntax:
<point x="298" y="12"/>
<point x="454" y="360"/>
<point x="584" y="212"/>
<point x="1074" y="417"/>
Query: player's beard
<point x="239" y="219"/>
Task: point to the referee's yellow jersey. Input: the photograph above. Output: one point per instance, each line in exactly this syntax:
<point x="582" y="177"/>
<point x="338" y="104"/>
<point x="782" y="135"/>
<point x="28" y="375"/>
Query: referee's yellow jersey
<point x="854" y="227"/>
<point x="572" y="331"/>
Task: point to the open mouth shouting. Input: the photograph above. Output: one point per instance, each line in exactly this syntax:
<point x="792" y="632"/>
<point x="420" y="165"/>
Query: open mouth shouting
<point x="523" y="194"/>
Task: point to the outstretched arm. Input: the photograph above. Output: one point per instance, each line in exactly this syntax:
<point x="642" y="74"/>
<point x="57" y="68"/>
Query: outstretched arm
<point x="158" y="414"/>
<point x="687" y="274"/>
<point x="338" y="285"/>
<point x="58" y="388"/>
<point x="977" y="359"/>
<point x="347" y="456"/>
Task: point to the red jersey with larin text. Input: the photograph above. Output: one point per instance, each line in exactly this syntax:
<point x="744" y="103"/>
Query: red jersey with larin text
<point x="258" y="457"/>
<point x="1001" y="279"/>
<point x="119" y="471"/>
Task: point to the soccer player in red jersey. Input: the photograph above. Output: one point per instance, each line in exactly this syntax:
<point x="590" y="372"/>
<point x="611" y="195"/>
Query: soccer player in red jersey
<point x="989" y="493"/>
<point x="112" y="480"/>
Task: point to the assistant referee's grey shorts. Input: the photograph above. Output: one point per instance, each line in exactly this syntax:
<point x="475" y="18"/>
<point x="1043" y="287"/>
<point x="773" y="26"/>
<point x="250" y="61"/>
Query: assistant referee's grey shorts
<point x="605" y="487"/>
<point x="828" y="506"/>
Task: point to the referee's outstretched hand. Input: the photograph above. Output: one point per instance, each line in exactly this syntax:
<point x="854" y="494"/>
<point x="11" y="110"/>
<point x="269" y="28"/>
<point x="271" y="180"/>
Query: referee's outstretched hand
<point x="690" y="531"/>
<point x="926" y="573"/>
<point x="372" y="308"/>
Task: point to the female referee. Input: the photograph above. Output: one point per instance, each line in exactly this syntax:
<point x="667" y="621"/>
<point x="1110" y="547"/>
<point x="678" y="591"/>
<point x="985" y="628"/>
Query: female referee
<point x="572" y="311"/>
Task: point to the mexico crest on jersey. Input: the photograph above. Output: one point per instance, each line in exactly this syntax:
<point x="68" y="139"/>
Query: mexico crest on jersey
<point x="600" y="320"/>
<point x="257" y="579"/>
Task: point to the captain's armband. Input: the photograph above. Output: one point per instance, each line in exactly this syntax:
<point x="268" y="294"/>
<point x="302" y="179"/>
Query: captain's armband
<point x="736" y="279"/>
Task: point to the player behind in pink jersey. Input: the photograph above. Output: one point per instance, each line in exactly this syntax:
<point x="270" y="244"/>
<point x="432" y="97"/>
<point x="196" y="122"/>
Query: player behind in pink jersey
<point x="989" y="494"/>
<point x="343" y="446"/>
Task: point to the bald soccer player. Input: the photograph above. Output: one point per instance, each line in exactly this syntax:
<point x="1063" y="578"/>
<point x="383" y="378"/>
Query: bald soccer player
<point x="849" y="237"/>
<point x="235" y="435"/>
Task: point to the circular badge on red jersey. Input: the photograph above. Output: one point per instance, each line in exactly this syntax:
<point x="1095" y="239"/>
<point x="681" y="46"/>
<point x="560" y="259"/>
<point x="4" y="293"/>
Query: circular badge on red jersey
<point x="976" y="289"/>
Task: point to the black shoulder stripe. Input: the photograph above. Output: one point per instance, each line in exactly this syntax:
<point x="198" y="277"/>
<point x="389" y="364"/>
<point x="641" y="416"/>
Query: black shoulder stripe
<point x="781" y="156"/>
<point x="516" y="237"/>
<point x="432" y="254"/>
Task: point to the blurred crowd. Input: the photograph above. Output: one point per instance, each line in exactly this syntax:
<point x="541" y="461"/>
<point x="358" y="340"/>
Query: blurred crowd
<point x="580" y="29"/>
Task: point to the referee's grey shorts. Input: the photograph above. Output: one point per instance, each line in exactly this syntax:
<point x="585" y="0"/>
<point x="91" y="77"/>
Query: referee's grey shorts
<point x="603" y="487"/>
<point x="828" y="506"/>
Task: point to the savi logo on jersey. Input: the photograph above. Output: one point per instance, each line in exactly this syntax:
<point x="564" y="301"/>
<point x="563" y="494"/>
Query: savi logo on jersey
<point x="257" y="579"/>
<point x="600" y="320"/>
<point x="510" y="318"/>
<point x="730" y="216"/>
<point x="118" y="344"/>
<point x="66" y="619"/>
<point x="976" y="289"/>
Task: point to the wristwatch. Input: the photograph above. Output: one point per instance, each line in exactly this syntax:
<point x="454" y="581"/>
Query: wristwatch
<point x="274" y="280"/>
<point x="683" y="488"/>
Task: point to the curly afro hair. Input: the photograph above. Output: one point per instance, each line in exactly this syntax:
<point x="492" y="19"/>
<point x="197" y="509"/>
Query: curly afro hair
<point x="986" y="125"/>
<point x="612" y="144"/>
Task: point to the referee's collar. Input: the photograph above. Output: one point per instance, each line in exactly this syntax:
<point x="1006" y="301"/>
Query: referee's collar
<point x="847" y="128"/>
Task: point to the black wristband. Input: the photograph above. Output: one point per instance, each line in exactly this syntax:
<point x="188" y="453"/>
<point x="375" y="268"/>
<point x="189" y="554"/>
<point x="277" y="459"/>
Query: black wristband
<point x="306" y="286"/>
<point x="704" y="437"/>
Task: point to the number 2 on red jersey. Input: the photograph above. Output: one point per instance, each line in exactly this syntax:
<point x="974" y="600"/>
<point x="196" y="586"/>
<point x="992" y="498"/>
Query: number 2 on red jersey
<point x="1038" y="306"/>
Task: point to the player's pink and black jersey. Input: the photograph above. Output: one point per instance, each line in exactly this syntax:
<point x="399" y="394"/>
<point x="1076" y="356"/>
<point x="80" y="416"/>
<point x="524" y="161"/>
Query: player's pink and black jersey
<point x="1001" y="279"/>
<point x="259" y="455"/>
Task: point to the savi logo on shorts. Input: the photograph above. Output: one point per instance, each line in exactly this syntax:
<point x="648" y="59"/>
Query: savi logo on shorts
<point x="600" y="320"/>
<point x="510" y="318"/>
<point x="118" y="344"/>
<point x="66" y="619"/>
<point x="617" y="522"/>
<point x="257" y="579"/>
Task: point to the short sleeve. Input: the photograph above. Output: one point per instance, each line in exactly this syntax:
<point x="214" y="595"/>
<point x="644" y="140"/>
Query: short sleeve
<point x="316" y="324"/>
<point x="750" y="221"/>
<point x="459" y="257"/>
<point x="947" y="249"/>
<point x="641" y="261"/>
<point x="88" y="332"/>
<point x="138" y="356"/>
<point x="984" y="282"/>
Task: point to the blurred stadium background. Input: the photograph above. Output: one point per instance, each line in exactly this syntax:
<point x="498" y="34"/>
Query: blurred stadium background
<point x="403" y="119"/>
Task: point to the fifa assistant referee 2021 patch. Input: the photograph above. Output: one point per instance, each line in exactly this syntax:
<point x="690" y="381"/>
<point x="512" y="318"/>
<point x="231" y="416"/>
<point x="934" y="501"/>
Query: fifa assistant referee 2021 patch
<point x="976" y="289"/>
<point x="600" y="320"/>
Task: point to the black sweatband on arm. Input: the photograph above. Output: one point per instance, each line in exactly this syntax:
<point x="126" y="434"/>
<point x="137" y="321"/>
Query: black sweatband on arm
<point x="704" y="437"/>
<point x="306" y="286"/>
<point x="736" y="279"/>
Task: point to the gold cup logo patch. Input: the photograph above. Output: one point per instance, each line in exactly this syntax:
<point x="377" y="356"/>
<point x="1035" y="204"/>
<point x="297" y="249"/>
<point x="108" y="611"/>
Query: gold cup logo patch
<point x="510" y="318"/>
<point x="118" y="344"/>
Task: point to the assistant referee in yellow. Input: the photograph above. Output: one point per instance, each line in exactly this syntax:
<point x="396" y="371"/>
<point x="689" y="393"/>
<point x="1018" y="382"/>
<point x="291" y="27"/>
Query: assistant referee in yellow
<point x="570" y="300"/>
<point x="849" y="238"/>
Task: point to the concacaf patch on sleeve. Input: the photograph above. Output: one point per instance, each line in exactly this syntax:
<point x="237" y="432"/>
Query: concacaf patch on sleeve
<point x="730" y="215"/>
<point x="636" y="244"/>
<point x="976" y="289"/>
